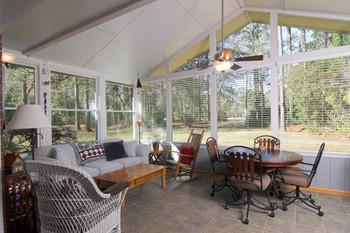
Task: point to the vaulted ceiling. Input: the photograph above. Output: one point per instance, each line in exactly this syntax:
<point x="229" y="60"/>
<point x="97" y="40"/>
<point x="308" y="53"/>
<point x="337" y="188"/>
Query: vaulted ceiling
<point x="126" y="37"/>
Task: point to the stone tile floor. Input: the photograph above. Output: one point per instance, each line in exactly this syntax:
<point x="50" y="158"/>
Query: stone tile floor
<point x="186" y="207"/>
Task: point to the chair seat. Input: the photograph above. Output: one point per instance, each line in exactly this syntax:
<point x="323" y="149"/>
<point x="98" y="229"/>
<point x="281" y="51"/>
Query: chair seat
<point x="174" y="163"/>
<point x="252" y="185"/>
<point x="293" y="177"/>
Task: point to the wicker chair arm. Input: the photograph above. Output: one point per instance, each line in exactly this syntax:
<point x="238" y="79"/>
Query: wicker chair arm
<point x="117" y="188"/>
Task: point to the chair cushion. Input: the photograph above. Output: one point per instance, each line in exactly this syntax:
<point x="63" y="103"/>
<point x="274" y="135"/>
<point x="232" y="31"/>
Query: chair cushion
<point x="252" y="185"/>
<point x="58" y="153"/>
<point x="293" y="177"/>
<point x="114" y="150"/>
<point x="89" y="151"/>
<point x="186" y="150"/>
<point x="129" y="161"/>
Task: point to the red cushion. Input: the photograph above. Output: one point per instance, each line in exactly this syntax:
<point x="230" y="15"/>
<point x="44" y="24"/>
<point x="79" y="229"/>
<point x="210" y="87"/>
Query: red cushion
<point x="186" y="150"/>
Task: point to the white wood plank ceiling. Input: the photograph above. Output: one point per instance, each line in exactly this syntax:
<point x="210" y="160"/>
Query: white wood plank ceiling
<point x="125" y="37"/>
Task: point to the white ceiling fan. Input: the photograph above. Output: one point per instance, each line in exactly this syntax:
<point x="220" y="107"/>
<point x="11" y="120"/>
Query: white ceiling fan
<point x="224" y="61"/>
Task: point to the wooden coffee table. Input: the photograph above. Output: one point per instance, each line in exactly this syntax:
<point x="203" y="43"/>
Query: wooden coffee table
<point x="136" y="174"/>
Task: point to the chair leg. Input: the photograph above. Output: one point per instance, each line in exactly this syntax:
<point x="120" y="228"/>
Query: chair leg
<point x="219" y="185"/>
<point x="306" y="199"/>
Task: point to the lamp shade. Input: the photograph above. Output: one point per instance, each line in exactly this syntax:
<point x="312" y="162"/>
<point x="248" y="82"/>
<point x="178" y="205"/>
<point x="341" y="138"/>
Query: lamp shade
<point x="29" y="117"/>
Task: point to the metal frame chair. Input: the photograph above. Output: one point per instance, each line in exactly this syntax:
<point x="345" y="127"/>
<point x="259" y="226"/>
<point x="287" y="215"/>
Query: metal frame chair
<point x="246" y="174"/>
<point x="220" y="166"/>
<point x="70" y="201"/>
<point x="299" y="178"/>
<point x="268" y="141"/>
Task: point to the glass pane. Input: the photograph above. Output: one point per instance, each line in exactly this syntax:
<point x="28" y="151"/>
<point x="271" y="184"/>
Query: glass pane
<point x="72" y="126"/>
<point x="153" y="112"/>
<point x="243" y="106"/>
<point x="118" y="97"/>
<point x="19" y="89"/>
<point x="120" y="125"/>
<point x="190" y="107"/>
<point x="314" y="105"/>
<point x="72" y="92"/>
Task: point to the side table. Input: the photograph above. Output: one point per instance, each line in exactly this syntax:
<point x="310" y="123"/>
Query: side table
<point x="154" y="156"/>
<point x="17" y="203"/>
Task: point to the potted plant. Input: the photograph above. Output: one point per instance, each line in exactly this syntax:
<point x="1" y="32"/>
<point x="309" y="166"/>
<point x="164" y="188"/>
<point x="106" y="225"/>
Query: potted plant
<point x="155" y="145"/>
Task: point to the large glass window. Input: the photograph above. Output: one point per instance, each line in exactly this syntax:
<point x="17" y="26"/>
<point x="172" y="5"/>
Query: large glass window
<point x="243" y="101"/>
<point x="190" y="106"/>
<point x="119" y="106"/>
<point x="302" y="34"/>
<point x="19" y="89"/>
<point x="315" y="104"/>
<point x="153" y="111"/>
<point x="73" y="108"/>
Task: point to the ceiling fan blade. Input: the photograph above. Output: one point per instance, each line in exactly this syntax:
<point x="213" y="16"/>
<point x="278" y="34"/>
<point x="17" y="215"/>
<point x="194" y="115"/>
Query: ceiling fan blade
<point x="250" y="58"/>
<point x="235" y="67"/>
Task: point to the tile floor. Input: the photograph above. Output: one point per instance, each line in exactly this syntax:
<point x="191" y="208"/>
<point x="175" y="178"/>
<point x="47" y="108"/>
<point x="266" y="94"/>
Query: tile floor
<point x="186" y="207"/>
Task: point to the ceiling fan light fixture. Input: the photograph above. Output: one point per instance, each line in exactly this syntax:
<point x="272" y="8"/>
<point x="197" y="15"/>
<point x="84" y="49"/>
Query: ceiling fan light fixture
<point x="223" y="66"/>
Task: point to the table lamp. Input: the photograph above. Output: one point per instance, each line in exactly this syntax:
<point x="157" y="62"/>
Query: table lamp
<point x="29" y="117"/>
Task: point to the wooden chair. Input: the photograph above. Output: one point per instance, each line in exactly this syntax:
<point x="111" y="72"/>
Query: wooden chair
<point x="246" y="174"/>
<point x="268" y="142"/>
<point x="184" y="163"/>
<point x="299" y="178"/>
<point x="220" y="166"/>
<point x="70" y="201"/>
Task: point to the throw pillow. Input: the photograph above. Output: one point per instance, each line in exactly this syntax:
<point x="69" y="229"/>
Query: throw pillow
<point x="114" y="150"/>
<point x="130" y="147"/>
<point x="90" y="151"/>
<point x="58" y="154"/>
<point x="186" y="150"/>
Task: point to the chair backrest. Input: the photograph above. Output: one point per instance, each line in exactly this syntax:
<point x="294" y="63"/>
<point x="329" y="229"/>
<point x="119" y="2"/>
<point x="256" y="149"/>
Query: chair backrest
<point x="212" y="148"/>
<point x="317" y="161"/>
<point x="268" y="141"/>
<point x="68" y="198"/>
<point x="195" y="140"/>
<point x="245" y="163"/>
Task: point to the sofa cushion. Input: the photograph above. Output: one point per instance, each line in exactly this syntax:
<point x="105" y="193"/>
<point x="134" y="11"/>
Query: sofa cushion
<point x="67" y="148"/>
<point x="105" y="166"/>
<point x="89" y="151"/>
<point x="58" y="153"/>
<point x="114" y="150"/>
<point x="91" y="170"/>
<point x="130" y="147"/>
<point x="129" y="161"/>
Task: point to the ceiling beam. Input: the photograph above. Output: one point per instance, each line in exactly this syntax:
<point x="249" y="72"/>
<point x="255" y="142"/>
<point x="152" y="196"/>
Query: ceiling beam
<point x="88" y="24"/>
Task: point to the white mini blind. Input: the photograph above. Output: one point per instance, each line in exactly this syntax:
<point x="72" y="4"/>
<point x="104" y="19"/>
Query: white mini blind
<point x="190" y="103"/>
<point x="244" y="108"/>
<point x="153" y="100"/>
<point x="316" y="104"/>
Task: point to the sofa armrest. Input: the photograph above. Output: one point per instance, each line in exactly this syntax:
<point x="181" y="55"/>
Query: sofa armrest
<point x="142" y="150"/>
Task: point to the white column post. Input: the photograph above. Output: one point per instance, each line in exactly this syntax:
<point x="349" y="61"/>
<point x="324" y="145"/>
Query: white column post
<point x="169" y="109"/>
<point x="213" y="90"/>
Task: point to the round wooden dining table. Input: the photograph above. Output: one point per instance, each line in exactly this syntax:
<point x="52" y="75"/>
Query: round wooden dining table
<point x="279" y="158"/>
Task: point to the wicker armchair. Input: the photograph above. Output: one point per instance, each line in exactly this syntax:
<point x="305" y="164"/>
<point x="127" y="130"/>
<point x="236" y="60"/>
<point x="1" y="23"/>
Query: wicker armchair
<point x="69" y="200"/>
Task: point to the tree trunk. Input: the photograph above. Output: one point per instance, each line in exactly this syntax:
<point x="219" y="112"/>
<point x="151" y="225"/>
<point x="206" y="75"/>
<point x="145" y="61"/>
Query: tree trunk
<point x="77" y="103"/>
<point x="289" y="40"/>
<point x="302" y="44"/>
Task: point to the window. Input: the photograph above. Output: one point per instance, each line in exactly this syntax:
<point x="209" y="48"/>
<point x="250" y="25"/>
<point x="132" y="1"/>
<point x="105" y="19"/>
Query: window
<point x="119" y="106"/>
<point x="243" y="101"/>
<point x="73" y="108"/>
<point x="190" y="106"/>
<point x="154" y="111"/>
<point x="315" y="105"/>
<point x="19" y="89"/>
<point x="301" y="34"/>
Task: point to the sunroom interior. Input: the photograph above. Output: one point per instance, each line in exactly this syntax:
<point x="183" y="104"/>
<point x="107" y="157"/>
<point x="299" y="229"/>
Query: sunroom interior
<point x="81" y="61"/>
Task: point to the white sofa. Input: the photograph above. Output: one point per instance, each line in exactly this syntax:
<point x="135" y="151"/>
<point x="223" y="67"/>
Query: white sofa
<point x="137" y="153"/>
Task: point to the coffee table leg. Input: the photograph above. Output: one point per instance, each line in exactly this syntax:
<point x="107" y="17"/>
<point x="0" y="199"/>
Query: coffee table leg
<point x="163" y="178"/>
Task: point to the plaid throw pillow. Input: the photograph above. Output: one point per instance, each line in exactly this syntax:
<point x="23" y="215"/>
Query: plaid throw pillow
<point x="89" y="151"/>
